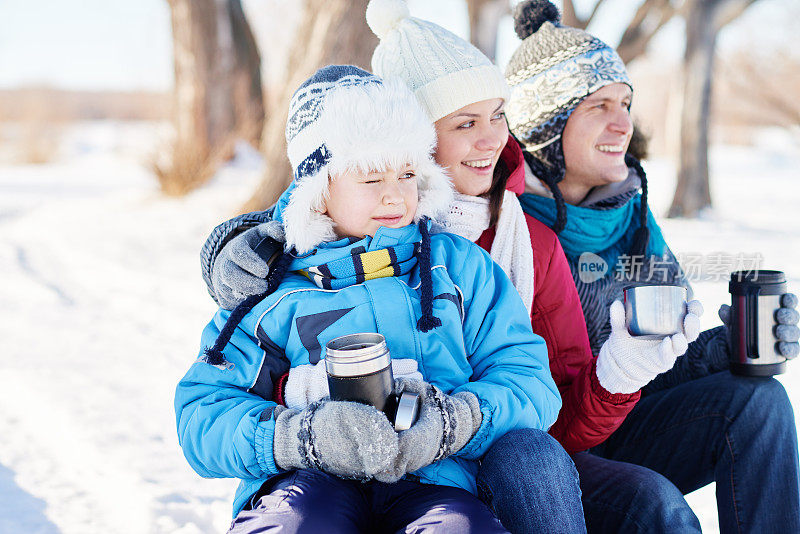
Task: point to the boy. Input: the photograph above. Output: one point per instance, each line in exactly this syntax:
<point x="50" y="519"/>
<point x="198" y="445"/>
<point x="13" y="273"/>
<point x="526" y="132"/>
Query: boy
<point x="361" y="259"/>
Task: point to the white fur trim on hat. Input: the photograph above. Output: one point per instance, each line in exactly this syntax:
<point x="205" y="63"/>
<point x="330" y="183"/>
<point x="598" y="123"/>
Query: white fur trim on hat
<point x="367" y="128"/>
<point x="304" y="222"/>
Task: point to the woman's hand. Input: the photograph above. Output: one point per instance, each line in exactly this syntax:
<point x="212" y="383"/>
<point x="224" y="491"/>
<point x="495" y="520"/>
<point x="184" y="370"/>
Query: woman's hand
<point x="241" y="268"/>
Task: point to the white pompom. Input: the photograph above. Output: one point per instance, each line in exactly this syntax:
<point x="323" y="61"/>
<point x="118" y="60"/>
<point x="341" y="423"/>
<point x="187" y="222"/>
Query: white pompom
<point x="384" y="15"/>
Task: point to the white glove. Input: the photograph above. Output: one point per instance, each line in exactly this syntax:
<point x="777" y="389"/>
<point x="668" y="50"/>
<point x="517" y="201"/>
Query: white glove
<point x="309" y="383"/>
<point x="627" y="363"/>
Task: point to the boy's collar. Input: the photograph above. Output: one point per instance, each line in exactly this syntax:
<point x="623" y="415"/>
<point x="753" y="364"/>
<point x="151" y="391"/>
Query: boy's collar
<point x="384" y="238"/>
<point x="389" y="237"/>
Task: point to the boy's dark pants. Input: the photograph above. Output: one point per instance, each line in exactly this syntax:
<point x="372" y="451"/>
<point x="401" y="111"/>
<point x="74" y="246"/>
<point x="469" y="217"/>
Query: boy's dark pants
<point x="313" y="501"/>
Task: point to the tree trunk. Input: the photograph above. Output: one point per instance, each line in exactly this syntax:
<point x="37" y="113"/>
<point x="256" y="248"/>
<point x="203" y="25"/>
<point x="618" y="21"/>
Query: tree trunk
<point x="651" y="16"/>
<point x="248" y="94"/>
<point x="329" y="32"/>
<point x="484" y="21"/>
<point x="704" y="19"/>
<point x="217" y="74"/>
<point x="692" y="192"/>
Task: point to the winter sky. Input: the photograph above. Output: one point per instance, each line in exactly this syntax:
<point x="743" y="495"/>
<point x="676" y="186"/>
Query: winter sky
<point x="126" y="44"/>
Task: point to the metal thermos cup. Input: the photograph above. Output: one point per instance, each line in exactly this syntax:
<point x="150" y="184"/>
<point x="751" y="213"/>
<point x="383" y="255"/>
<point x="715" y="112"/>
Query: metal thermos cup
<point x="653" y="311"/>
<point x="359" y="369"/>
<point x="755" y="297"/>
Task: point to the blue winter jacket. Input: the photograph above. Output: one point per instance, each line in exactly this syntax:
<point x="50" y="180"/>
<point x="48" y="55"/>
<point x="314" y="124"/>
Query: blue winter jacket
<point x="485" y="345"/>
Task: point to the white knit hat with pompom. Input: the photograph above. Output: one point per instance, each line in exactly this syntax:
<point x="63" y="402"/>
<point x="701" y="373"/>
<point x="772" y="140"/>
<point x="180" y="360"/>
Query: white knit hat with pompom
<point x="444" y="71"/>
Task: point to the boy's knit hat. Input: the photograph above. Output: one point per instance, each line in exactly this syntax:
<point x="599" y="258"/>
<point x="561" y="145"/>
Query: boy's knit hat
<point x="344" y="118"/>
<point x="551" y="72"/>
<point x="444" y="71"/>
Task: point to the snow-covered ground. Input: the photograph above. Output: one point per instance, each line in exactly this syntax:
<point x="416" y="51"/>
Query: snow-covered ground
<point x="102" y="304"/>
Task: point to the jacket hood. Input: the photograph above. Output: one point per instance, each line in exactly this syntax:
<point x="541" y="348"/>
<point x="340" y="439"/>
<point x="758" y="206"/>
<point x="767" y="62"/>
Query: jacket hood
<point x="613" y="195"/>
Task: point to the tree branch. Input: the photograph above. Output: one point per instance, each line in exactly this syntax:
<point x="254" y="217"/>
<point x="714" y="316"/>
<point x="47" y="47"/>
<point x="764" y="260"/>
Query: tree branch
<point x="568" y="16"/>
<point x="728" y="11"/>
<point x="651" y="16"/>
<point x="594" y="12"/>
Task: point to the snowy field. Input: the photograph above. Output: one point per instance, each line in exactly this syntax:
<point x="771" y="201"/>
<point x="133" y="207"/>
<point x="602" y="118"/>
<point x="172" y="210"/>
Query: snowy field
<point x="102" y="304"/>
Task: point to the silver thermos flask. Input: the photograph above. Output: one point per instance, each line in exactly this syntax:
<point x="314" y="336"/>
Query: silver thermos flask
<point x="755" y="297"/>
<point x="359" y="369"/>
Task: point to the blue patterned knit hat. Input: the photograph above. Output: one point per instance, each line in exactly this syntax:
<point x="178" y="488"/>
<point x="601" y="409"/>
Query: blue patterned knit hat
<point x="305" y="138"/>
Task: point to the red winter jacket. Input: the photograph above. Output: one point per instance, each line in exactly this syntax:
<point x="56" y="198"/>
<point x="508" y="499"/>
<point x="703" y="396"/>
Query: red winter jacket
<point x="589" y="413"/>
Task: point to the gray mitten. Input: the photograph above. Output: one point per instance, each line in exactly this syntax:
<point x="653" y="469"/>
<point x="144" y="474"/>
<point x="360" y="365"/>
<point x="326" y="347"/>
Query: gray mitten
<point x="346" y="439"/>
<point x="786" y="331"/>
<point x="239" y="271"/>
<point x="446" y="423"/>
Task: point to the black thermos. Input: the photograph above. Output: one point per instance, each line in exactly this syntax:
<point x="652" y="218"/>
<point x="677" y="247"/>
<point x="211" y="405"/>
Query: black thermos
<point x="359" y="369"/>
<point x="755" y="297"/>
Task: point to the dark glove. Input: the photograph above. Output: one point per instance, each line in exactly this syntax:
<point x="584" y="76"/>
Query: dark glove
<point x="241" y="267"/>
<point x="346" y="439"/>
<point x="446" y="423"/>
<point x="786" y="331"/>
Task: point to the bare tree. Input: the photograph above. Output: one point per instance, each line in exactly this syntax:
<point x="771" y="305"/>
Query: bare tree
<point x="330" y="31"/>
<point x="484" y="21"/>
<point x="217" y="85"/>
<point x="648" y="19"/>
<point x="762" y="90"/>
<point x="704" y="20"/>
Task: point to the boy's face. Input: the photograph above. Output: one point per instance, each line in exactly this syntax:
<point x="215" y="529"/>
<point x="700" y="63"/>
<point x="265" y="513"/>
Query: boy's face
<point x="360" y="203"/>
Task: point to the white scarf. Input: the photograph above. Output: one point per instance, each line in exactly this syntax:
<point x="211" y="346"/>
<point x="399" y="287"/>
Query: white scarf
<point x="511" y="248"/>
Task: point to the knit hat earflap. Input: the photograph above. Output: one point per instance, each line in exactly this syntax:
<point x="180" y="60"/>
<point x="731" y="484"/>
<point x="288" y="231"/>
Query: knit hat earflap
<point x="444" y="71"/>
<point x="346" y="119"/>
